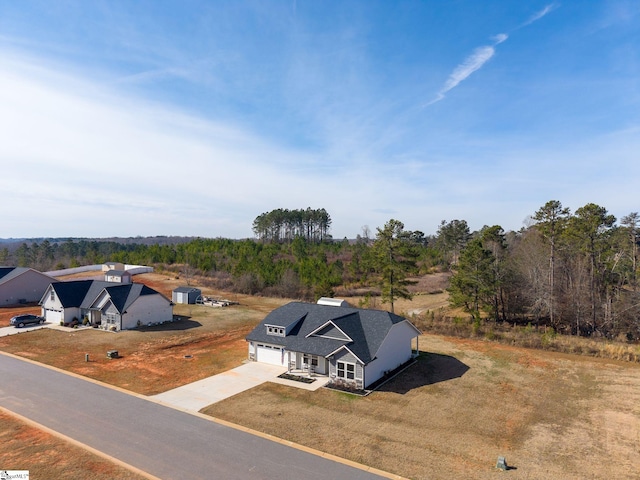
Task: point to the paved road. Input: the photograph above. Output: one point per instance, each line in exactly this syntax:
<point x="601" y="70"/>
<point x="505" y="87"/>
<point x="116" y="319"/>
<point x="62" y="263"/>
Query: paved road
<point x="162" y="441"/>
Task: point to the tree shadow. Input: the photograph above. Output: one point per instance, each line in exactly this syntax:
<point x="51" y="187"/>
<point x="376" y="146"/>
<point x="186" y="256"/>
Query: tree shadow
<point x="429" y="369"/>
<point x="180" y="323"/>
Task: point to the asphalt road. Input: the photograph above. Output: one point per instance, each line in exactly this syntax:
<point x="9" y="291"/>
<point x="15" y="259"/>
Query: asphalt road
<point x="164" y="442"/>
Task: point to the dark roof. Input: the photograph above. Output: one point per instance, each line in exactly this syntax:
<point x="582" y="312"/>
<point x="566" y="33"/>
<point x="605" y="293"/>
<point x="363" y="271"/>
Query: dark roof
<point x="4" y="271"/>
<point x="124" y="295"/>
<point x="8" y="273"/>
<point x="186" y="289"/>
<point x="82" y="293"/>
<point x="74" y="293"/>
<point x="366" y="328"/>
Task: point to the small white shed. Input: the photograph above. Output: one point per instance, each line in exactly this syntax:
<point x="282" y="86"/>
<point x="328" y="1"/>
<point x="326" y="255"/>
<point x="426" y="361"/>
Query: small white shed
<point x="187" y="295"/>
<point x="117" y="276"/>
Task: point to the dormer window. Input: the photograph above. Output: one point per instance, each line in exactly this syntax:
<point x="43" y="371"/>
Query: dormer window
<point x="278" y="331"/>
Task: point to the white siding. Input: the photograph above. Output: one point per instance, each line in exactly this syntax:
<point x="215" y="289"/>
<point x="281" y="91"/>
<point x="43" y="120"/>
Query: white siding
<point x="147" y="309"/>
<point x="394" y="351"/>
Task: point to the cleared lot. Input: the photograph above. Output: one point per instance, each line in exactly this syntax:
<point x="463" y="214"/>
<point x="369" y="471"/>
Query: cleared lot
<point x="450" y="416"/>
<point x="464" y="404"/>
<point x="152" y="359"/>
<point x="45" y="456"/>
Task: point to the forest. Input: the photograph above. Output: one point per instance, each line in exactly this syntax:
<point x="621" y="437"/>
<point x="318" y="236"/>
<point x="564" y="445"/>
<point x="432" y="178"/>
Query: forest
<point x="573" y="271"/>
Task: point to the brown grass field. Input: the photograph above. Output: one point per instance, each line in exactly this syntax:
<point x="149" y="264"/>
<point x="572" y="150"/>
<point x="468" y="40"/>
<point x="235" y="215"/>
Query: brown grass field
<point x="23" y="447"/>
<point x="466" y="402"/>
<point x="451" y="415"/>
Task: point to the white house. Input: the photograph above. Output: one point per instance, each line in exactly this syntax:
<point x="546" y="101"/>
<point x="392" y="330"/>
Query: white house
<point x="117" y="276"/>
<point x="105" y="304"/>
<point x="112" y="266"/>
<point x="352" y="346"/>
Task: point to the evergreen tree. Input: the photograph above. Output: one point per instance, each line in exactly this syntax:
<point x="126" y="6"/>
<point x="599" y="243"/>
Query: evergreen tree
<point x="551" y="220"/>
<point x="474" y="285"/>
<point x="395" y="254"/>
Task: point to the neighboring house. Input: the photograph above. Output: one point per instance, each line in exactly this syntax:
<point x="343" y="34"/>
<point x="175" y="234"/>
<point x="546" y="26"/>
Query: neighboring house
<point x="112" y="266"/>
<point x="117" y="276"/>
<point x="187" y="295"/>
<point x="350" y="345"/>
<point x="111" y="306"/>
<point x="22" y="285"/>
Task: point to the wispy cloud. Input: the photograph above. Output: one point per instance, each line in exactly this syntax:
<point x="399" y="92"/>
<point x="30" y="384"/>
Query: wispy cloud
<point x="473" y="62"/>
<point x="482" y="55"/>
<point x="538" y="15"/>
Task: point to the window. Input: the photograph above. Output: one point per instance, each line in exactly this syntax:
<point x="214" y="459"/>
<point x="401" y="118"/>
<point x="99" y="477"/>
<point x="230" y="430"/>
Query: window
<point x="53" y="295"/>
<point x="279" y="331"/>
<point x="310" y="360"/>
<point x="346" y="370"/>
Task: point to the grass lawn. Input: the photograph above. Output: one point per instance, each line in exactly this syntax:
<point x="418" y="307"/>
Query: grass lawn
<point x="153" y="359"/>
<point x="465" y="403"/>
<point x="451" y="415"/>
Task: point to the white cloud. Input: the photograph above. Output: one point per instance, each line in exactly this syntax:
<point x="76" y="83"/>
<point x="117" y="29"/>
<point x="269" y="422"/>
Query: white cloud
<point x="499" y="38"/>
<point x="83" y="160"/>
<point x="480" y="56"/>
<point x="538" y="15"/>
<point x="473" y="62"/>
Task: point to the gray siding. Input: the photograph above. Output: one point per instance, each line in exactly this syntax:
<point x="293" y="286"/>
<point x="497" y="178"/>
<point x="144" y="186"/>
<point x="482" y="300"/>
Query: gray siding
<point x="345" y="356"/>
<point x="331" y="331"/>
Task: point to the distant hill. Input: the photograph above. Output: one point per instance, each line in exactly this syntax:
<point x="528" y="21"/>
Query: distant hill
<point x="158" y="239"/>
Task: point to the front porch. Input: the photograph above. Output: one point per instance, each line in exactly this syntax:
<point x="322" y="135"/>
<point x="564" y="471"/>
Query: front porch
<point x="303" y="364"/>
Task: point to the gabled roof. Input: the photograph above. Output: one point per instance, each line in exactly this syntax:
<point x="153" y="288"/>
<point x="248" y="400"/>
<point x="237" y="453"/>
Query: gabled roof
<point x="319" y="325"/>
<point x="186" y="289"/>
<point x="78" y="293"/>
<point x="9" y="273"/>
<point x="82" y="293"/>
<point x="124" y="295"/>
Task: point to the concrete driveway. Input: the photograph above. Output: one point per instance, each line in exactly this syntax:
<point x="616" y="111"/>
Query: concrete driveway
<point x="197" y="395"/>
<point x="5" y="331"/>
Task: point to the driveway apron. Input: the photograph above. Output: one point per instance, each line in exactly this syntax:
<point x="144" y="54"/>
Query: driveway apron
<point x="197" y="395"/>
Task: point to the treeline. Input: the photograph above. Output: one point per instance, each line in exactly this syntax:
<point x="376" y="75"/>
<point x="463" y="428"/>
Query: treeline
<point x="575" y="272"/>
<point x="283" y="225"/>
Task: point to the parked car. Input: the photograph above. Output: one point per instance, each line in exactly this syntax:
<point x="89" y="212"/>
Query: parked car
<point x="20" y="321"/>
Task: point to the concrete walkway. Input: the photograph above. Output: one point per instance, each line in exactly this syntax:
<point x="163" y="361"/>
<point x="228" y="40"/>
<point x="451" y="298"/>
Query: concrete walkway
<point x="197" y="395"/>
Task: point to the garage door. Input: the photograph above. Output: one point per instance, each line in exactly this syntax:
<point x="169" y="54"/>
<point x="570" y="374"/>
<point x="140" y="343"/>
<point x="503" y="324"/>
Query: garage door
<point x="52" y="316"/>
<point x="270" y="354"/>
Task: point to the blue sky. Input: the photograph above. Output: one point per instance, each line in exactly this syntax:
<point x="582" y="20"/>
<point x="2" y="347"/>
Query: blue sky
<point x="125" y="118"/>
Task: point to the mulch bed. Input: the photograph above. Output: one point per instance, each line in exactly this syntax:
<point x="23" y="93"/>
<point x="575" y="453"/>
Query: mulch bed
<point x="296" y="378"/>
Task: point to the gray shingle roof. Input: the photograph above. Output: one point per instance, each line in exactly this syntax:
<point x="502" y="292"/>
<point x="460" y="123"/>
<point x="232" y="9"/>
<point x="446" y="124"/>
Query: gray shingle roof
<point x="366" y="328"/>
<point x="186" y="289"/>
<point x="82" y="293"/>
<point x="6" y="273"/>
<point x="9" y="273"/>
